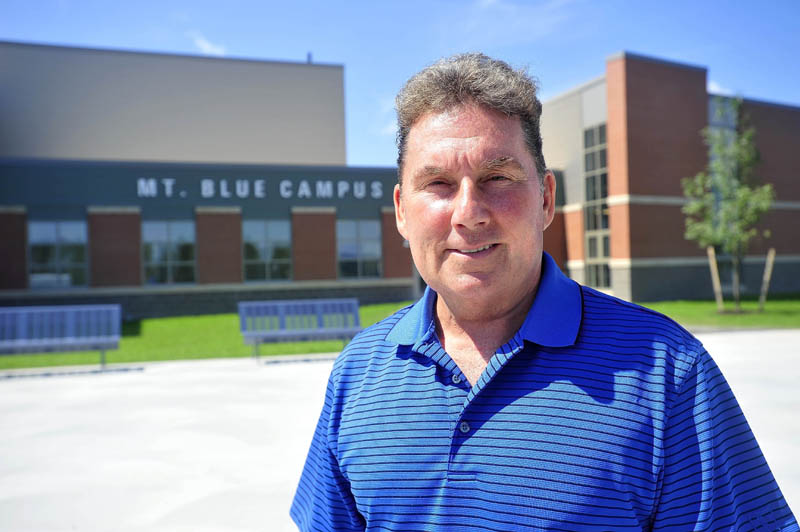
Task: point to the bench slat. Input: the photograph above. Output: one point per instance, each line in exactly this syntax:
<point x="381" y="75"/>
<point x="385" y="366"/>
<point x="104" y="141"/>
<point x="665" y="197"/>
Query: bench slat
<point x="59" y="328"/>
<point x="296" y="320"/>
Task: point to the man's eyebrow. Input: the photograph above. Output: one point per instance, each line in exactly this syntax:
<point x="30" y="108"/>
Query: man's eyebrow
<point x="429" y="171"/>
<point x="501" y="162"/>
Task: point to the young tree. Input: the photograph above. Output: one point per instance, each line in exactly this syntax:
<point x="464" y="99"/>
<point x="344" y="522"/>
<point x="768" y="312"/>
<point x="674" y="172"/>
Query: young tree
<point x="724" y="201"/>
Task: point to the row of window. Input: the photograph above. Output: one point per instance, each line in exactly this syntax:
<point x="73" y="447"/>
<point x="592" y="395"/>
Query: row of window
<point x="595" y="210"/>
<point x="58" y="251"/>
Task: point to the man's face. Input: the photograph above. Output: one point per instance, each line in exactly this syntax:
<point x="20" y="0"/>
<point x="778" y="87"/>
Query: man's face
<point x="472" y="209"/>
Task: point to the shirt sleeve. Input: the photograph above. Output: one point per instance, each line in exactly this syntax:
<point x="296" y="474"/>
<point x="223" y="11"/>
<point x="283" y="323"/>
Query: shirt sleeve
<point x="323" y="500"/>
<point x="714" y="475"/>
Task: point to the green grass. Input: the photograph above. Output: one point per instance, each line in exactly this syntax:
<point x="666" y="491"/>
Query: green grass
<point x="188" y="337"/>
<point x="217" y="336"/>
<point x="778" y="313"/>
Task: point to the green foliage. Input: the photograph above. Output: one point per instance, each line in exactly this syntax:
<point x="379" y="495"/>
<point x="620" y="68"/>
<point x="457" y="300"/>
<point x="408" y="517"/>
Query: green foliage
<point x="725" y="202"/>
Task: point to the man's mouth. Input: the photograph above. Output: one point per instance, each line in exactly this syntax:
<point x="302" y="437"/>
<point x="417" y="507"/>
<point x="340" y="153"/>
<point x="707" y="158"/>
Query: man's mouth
<point x="477" y="250"/>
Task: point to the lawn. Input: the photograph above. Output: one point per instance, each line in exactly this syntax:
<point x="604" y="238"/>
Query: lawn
<point x="215" y="336"/>
<point x="189" y="337"/>
<point x="778" y="313"/>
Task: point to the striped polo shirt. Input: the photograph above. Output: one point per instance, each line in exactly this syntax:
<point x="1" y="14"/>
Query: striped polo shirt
<point x="597" y="415"/>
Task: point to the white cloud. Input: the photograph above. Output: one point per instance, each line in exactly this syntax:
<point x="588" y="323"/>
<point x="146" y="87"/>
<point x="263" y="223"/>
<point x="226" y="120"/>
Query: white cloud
<point x="715" y="88"/>
<point x="204" y="45"/>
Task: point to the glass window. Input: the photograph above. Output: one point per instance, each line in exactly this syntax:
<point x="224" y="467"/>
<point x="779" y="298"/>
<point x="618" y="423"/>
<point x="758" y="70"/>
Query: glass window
<point x="596" y="231"/>
<point x="591" y="193"/>
<point x="589" y="161"/>
<point x="588" y="138"/>
<point x="267" y="250"/>
<point x="58" y="256"/>
<point x="168" y="251"/>
<point x="358" y="244"/>
<point x="592" y="247"/>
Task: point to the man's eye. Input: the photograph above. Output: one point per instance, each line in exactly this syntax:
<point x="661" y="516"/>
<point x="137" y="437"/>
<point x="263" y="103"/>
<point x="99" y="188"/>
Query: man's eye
<point x="498" y="178"/>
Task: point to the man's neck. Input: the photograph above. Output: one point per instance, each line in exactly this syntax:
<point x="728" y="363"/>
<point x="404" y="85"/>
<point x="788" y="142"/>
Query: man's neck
<point x="472" y="340"/>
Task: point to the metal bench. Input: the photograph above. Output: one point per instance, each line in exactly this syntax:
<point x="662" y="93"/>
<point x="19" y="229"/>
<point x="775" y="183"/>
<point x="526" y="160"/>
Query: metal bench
<point x="297" y="320"/>
<point x="60" y="328"/>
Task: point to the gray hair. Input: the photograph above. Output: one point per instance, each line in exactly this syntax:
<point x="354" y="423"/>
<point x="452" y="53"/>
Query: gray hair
<point x="471" y="78"/>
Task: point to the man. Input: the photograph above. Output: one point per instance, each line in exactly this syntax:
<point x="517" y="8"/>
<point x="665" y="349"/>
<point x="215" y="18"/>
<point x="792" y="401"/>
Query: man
<point x="509" y="397"/>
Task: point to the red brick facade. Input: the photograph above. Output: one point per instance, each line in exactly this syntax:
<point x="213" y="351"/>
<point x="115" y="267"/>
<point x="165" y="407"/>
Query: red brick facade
<point x="396" y="256"/>
<point x="314" y="243"/>
<point x="115" y="236"/>
<point x="656" y="111"/>
<point x="555" y="242"/>
<point x="13" y="249"/>
<point x="219" y="244"/>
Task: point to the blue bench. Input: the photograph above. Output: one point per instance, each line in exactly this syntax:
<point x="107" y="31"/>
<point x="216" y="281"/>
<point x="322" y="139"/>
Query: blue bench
<point x="60" y="328"/>
<point x="297" y="320"/>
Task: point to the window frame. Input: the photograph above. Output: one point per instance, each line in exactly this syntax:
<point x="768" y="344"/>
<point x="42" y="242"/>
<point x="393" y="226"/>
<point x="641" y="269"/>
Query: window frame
<point x="169" y="263"/>
<point x="595" y="208"/>
<point x="61" y="266"/>
<point x="267" y="244"/>
<point x="361" y="258"/>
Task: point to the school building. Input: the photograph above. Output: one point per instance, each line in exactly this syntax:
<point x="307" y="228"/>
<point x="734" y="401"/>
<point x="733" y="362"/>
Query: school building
<point x="180" y="184"/>
<point x="620" y="145"/>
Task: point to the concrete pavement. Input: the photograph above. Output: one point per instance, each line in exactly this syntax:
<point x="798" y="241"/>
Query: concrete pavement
<point x="218" y="445"/>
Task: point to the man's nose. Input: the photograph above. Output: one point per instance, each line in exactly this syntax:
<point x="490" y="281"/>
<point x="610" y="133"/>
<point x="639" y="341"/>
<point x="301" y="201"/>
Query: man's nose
<point x="469" y="208"/>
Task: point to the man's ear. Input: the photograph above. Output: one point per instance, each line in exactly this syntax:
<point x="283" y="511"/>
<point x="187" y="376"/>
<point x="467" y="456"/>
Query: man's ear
<point x="399" y="212"/>
<point x="548" y="198"/>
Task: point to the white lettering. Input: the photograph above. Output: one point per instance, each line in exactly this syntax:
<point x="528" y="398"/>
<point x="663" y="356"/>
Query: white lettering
<point x="286" y="188"/>
<point x="207" y="188"/>
<point x="304" y="190"/>
<point x="242" y="188"/>
<point x="376" y="189"/>
<point x="168" y="183"/>
<point x="146" y="188"/>
<point x="224" y="191"/>
<point x="360" y="189"/>
<point x="260" y="188"/>
<point x="324" y="189"/>
<point x="342" y="188"/>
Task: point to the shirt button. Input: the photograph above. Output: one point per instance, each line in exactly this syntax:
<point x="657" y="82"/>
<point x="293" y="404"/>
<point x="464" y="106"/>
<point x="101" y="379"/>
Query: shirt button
<point x="464" y="427"/>
<point x="456" y="378"/>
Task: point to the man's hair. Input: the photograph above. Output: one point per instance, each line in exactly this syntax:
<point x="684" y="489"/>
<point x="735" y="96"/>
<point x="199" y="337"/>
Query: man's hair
<point x="471" y="78"/>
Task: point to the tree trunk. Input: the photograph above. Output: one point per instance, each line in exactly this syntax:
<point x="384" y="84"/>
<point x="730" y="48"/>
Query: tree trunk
<point x="735" y="267"/>
<point x="714" y="268"/>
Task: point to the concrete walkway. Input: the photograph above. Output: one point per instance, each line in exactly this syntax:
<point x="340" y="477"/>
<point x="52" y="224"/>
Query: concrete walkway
<point x="218" y="445"/>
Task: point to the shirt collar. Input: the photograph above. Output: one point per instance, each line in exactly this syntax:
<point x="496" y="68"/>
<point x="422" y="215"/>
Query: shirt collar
<point x="553" y="320"/>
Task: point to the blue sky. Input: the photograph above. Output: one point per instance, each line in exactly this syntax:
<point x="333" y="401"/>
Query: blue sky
<point x="749" y="49"/>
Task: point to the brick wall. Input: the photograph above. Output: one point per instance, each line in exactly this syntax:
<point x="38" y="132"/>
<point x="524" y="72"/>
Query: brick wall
<point x="314" y="243"/>
<point x="555" y="240"/>
<point x="13" y="248"/>
<point x="219" y="244"/>
<point x="115" y="243"/>
<point x="396" y="256"/>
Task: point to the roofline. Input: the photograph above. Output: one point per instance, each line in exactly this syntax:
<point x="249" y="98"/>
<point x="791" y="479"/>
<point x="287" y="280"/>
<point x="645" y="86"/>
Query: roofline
<point x="630" y="55"/>
<point x="161" y="164"/>
<point x="574" y="90"/>
<point x="27" y="44"/>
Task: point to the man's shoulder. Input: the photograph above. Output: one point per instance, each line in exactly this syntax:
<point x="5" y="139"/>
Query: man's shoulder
<point x="609" y="315"/>
<point x="632" y="331"/>
<point x="601" y="305"/>
<point x="372" y="341"/>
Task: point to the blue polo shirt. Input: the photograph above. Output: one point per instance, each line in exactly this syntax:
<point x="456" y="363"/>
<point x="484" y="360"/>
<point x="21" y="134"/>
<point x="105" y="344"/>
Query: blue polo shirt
<point x="597" y="415"/>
